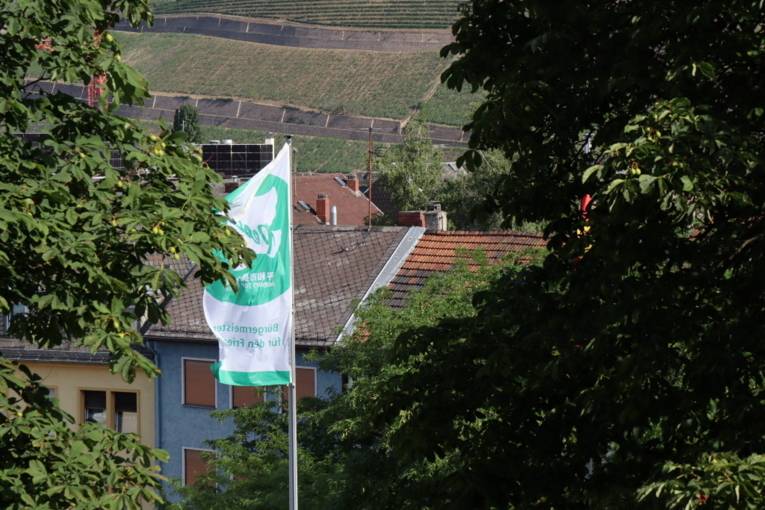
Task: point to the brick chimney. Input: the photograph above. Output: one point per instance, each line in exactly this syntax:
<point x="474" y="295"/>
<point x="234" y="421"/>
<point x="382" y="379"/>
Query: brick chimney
<point x="353" y="183"/>
<point x="323" y="208"/>
<point x="411" y="218"/>
<point x="434" y="219"/>
<point x="230" y="185"/>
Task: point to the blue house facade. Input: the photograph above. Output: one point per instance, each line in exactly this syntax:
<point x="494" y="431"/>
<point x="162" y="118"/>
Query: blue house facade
<point x="182" y="426"/>
<point x="336" y="268"/>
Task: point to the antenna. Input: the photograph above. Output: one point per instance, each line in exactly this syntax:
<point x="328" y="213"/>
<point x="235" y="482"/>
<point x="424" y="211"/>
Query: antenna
<point x="369" y="178"/>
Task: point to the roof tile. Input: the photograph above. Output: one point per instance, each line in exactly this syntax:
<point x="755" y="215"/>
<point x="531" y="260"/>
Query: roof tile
<point x="437" y="252"/>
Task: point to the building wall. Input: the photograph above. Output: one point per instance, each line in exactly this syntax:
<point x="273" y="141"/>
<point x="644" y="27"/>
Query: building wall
<point x="182" y="426"/>
<point x="69" y="379"/>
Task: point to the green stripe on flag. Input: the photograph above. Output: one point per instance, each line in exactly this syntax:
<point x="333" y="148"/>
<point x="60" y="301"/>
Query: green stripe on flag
<point x="274" y="378"/>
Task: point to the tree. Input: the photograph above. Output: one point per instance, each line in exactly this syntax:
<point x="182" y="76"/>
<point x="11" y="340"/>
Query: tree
<point x="186" y="120"/>
<point x="411" y="171"/>
<point x="346" y="460"/>
<point x="632" y="359"/>
<point x="469" y="198"/>
<point x="77" y="233"/>
<point x="45" y="464"/>
<point x="250" y="468"/>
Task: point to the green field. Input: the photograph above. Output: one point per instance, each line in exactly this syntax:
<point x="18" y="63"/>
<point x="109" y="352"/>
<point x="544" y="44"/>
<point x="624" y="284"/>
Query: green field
<point x="357" y="82"/>
<point x="358" y="13"/>
<point x="450" y="107"/>
<point x="313" y="154"/>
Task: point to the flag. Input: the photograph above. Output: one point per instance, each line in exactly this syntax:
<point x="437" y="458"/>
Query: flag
<point x="254" y="325"/>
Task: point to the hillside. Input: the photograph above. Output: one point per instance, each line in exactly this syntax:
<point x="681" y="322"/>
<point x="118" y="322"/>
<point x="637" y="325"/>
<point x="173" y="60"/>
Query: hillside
<point x="360" y="82"/>
<point x="352" y="13"/>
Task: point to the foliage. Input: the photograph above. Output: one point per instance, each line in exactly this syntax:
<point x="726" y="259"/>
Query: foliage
<point x="722" y="480"/>
<point x="469" y="197"/>
<point x="76" y="237"/>
<point x="411" y="172"/>
<point x="186" y="121"/>
<point x="347" y="457"/>
<point x="75" y="231"/>
<point x="250" y="468"/>
<point x="47" y="465"/>
<point x="633" y="357"/>
<point x="378" y="84"/>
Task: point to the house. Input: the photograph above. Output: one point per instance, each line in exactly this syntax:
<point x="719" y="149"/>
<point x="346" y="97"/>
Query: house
<point x="316" y="196"/>
<point x="84" y="386"/>
<point x="335" y="269"/>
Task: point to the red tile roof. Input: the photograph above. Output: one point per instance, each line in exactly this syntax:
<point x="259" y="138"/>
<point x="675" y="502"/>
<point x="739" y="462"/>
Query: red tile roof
<point x="352" y="208"/>
<point x="437" y="252"/>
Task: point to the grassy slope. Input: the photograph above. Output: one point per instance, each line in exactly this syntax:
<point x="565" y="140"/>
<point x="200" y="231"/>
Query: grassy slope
<point x="313" y="154"/>
<point x="358" y="82"/>
<point x="359" y="13"/>
<point x="448" y="106"/>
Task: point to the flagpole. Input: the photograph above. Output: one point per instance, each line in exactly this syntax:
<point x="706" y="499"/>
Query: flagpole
<point x="292" y="404"/>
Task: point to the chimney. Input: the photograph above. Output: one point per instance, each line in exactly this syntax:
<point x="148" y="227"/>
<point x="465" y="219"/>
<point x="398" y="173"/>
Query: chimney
<point x="435" y="218"/>
<point x="230" y="185"/>
<point x="353" y="183"/>
<point x="333" y="215"/>
<point x="323" y="208"/>
<point x="411" y="218"/>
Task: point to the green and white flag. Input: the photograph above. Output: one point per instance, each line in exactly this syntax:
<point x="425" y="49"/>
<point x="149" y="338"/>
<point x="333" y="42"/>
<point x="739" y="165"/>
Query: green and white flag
<point x="254" y="325"/>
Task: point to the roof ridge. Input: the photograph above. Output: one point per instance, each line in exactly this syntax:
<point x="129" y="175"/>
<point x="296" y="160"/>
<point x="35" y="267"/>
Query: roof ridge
<point x="487" y="233"/>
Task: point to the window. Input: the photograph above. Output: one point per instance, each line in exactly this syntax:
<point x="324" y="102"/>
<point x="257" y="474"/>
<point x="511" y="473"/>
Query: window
<point x="95" y="407"/>
<point x="125" y="416"/>
<point x="198" y="383"/>
<point x="305" y="382"/>
<point x="194" y="465"/>
<point x="246" y="396"/>
<point x="52" y="393"/>
<point x="114" y="409"/>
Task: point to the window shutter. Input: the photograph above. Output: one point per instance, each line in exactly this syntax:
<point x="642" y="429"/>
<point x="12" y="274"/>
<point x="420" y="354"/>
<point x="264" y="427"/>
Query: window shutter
<point x="246" y="396"/>
<point x="198" y="383"/>
<point x="305" y="382"/>
<point x="195" y="465"/>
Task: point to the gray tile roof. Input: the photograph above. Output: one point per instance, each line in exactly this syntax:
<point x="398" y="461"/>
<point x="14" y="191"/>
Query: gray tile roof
<point x="67" y="352"/>
<point x="334" y="267"/>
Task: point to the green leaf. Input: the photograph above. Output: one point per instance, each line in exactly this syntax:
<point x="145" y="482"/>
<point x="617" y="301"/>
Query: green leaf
<point x="591" y="170"/>
<point x="613" y="184"/>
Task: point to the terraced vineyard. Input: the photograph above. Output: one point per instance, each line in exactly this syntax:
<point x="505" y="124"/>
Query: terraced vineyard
<point x="354" y="13"/>
<point x="360" y="82"/>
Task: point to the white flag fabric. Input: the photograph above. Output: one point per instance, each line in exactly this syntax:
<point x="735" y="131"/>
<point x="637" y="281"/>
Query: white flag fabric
<point x="254" y="324"/>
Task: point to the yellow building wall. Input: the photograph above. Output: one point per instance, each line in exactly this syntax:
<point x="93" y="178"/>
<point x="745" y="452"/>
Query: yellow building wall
<point x="70" y="379"/>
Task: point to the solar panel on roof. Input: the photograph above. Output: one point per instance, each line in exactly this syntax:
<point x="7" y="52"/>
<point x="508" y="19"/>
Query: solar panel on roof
<point x="237" y="160"/>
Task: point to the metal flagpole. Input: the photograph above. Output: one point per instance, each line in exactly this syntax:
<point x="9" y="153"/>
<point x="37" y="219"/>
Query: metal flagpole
<point x="292" y="399"/>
